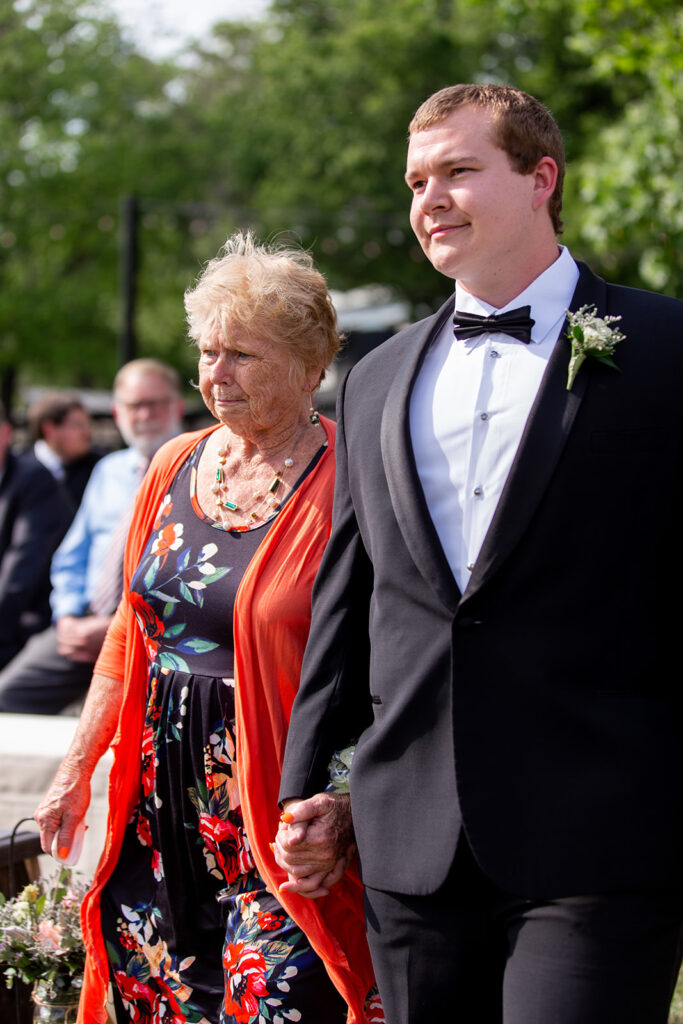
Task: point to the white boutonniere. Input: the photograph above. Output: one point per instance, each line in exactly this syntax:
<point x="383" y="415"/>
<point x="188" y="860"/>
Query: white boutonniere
<point x="591" y="335"/>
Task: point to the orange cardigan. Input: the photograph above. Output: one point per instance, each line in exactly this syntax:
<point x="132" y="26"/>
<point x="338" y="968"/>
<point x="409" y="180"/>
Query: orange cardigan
<point x="271" y="623"/>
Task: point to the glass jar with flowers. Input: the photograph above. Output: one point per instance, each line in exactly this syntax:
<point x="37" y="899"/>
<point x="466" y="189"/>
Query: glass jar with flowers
<point x="41" y="944"/>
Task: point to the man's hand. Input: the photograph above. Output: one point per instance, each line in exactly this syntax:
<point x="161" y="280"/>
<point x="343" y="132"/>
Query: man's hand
<point x="314" y="843"/>
<point x="80" y="639"/>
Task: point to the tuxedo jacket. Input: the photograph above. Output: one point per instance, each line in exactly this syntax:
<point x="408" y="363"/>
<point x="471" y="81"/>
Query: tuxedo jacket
<point x="35" y="512"/>
<point x="540" y="709"/>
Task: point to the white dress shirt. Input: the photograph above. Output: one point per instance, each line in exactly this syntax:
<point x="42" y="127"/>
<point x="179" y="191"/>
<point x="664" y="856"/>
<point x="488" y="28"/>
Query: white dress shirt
<point x="469" y="406"/>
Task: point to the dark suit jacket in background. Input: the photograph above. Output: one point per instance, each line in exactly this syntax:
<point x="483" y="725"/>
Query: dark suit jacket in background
<point x="541" y="708"/>
<point x="35" y="512"/>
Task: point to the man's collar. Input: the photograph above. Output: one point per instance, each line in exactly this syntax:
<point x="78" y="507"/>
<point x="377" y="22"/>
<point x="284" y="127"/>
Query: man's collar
<point x="49" y="459"/>
<point x="548" y="295"/>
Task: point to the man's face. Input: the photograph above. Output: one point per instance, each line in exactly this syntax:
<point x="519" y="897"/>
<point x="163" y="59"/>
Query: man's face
<point x="147" y="412"/>
<point x="72" y="438"/>
<point x="472" y="213"/>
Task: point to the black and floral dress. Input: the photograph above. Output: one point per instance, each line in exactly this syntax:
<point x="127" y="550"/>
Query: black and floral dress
<point x="190" y="930"/>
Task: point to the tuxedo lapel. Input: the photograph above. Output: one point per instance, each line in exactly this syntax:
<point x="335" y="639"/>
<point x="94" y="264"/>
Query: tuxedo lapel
<point x="544" y="437"/>
<point x="405" y="489"/>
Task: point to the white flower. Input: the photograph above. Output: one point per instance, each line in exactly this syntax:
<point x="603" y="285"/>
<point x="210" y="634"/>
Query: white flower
<point x="591" y="335"/>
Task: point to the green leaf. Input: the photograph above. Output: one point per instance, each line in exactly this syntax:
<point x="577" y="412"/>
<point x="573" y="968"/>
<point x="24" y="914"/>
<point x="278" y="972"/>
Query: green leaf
<point x="608" y="361"/>
<point x="174" y="631"/>
<point x="213" y="577"/>
<point x="164" y="597"/>
<point x="196" y="645"/>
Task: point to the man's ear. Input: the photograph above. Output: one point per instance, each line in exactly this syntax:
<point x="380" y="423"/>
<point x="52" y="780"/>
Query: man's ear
<point x="48" y="428"/>
<point x="545" y="178"/>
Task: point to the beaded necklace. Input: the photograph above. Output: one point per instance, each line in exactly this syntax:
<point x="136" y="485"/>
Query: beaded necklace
<point x="265" y="506"/>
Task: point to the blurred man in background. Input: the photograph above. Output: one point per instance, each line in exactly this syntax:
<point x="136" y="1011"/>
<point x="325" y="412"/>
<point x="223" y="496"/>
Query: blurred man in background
<point x="61" y="431"/>
<point x="54" y="669"/>
<point x="34" y="516"/>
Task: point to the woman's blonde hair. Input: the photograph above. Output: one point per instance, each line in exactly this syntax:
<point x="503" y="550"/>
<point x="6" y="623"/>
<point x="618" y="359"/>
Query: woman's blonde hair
<point x="272" y="292"/>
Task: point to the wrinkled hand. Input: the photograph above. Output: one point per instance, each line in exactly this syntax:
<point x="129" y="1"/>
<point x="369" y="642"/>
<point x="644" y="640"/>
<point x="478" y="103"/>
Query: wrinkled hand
<point x="80" y="639"/>
<point x="62" y="808"/>
<point x="314" y="843"/>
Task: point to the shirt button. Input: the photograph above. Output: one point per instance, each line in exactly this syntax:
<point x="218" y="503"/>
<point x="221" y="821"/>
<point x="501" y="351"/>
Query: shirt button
<point x="484" y="416"/>
<point x="470" y="567"/>
<point x="494" y="353"/>
<point x="477" y="491"/>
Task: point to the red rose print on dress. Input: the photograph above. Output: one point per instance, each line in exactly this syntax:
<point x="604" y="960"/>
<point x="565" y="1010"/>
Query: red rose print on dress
<point x="132" y="992"/>
<point x="270" y="922"/>
<point x="152" y="627"/>
<point x="148" y="763"/>
<point x="142" y="826"/>
<point x="222" y="838"/>
<point x="244" y="981"/>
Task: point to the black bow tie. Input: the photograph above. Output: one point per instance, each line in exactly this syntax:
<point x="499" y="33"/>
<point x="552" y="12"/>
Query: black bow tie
<point x="516" y="322"/>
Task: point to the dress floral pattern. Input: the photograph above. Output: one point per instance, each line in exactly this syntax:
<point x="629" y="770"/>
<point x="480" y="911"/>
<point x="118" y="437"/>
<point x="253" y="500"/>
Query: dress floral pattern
<point x="191" y="932"/>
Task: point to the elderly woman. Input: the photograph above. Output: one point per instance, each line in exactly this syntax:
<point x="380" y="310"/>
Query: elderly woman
<point x="196" y="679"/>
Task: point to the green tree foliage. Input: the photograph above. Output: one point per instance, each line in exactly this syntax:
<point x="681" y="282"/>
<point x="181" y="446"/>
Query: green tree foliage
<point x="317" y="123"/>
<point x="627" y="192"/>
<point x="297" y="125"/>
<point x="318" y="129"/>
<point x="84" y="120"/>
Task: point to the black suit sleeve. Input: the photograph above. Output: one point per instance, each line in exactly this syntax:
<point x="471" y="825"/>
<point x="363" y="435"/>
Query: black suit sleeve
<point x="333" y="705"/>
<point x="36" y="513"/>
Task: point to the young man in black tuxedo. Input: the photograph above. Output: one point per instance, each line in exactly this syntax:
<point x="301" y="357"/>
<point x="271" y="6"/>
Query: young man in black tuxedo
<point x="496" y="618"/>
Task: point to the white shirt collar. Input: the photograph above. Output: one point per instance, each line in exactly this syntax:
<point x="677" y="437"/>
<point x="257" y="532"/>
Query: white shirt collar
<point x="548" y="295"/>
<point x="49" y="459"/>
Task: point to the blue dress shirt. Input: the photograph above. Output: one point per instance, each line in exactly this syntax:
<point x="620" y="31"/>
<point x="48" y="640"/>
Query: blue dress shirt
<point x="78" y="559"/>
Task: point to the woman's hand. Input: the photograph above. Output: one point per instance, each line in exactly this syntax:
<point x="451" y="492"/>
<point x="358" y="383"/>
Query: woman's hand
<point x="67" y="799"/>
<point x="62" y="808"/>
<point x="314" y="843"/>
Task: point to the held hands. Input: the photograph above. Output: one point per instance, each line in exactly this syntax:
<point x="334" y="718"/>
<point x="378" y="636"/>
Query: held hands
<point x="314" y="843"/>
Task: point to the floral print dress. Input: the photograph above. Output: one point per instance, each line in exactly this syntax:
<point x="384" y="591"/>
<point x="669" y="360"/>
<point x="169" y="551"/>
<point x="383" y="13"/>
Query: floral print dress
<point x="191" y="932"/>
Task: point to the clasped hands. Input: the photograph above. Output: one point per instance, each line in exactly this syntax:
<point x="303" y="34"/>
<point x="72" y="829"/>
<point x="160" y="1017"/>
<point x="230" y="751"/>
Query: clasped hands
<point x="80" y="638"/>
<point x="314" y="843"/>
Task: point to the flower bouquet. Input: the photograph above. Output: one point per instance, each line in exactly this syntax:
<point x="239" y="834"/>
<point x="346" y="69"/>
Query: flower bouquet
<point x="41" y="941"/>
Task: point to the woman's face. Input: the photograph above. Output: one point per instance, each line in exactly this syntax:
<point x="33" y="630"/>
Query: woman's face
<point x="245" y="382"/>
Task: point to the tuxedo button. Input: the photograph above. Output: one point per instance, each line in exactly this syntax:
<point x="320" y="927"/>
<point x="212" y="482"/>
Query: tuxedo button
<point x="477" y="492"/>
<point x="494" y="353"/>
<point x="467" y="623"/>
<point x="484" y="416"/>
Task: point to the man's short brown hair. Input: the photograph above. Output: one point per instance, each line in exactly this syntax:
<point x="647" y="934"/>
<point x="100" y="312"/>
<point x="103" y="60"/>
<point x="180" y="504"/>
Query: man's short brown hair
<point x="523" y="128"/>
<point x="53" y="407"/>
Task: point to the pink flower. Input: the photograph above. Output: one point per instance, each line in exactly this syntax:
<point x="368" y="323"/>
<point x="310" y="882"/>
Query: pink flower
<point x="49" y="935"/>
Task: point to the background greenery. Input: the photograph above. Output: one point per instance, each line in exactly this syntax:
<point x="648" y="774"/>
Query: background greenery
<point x="297" y="125"/>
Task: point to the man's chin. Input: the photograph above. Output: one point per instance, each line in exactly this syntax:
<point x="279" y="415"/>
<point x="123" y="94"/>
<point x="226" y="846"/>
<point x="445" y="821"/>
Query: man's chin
<point x="148" y="444"/>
